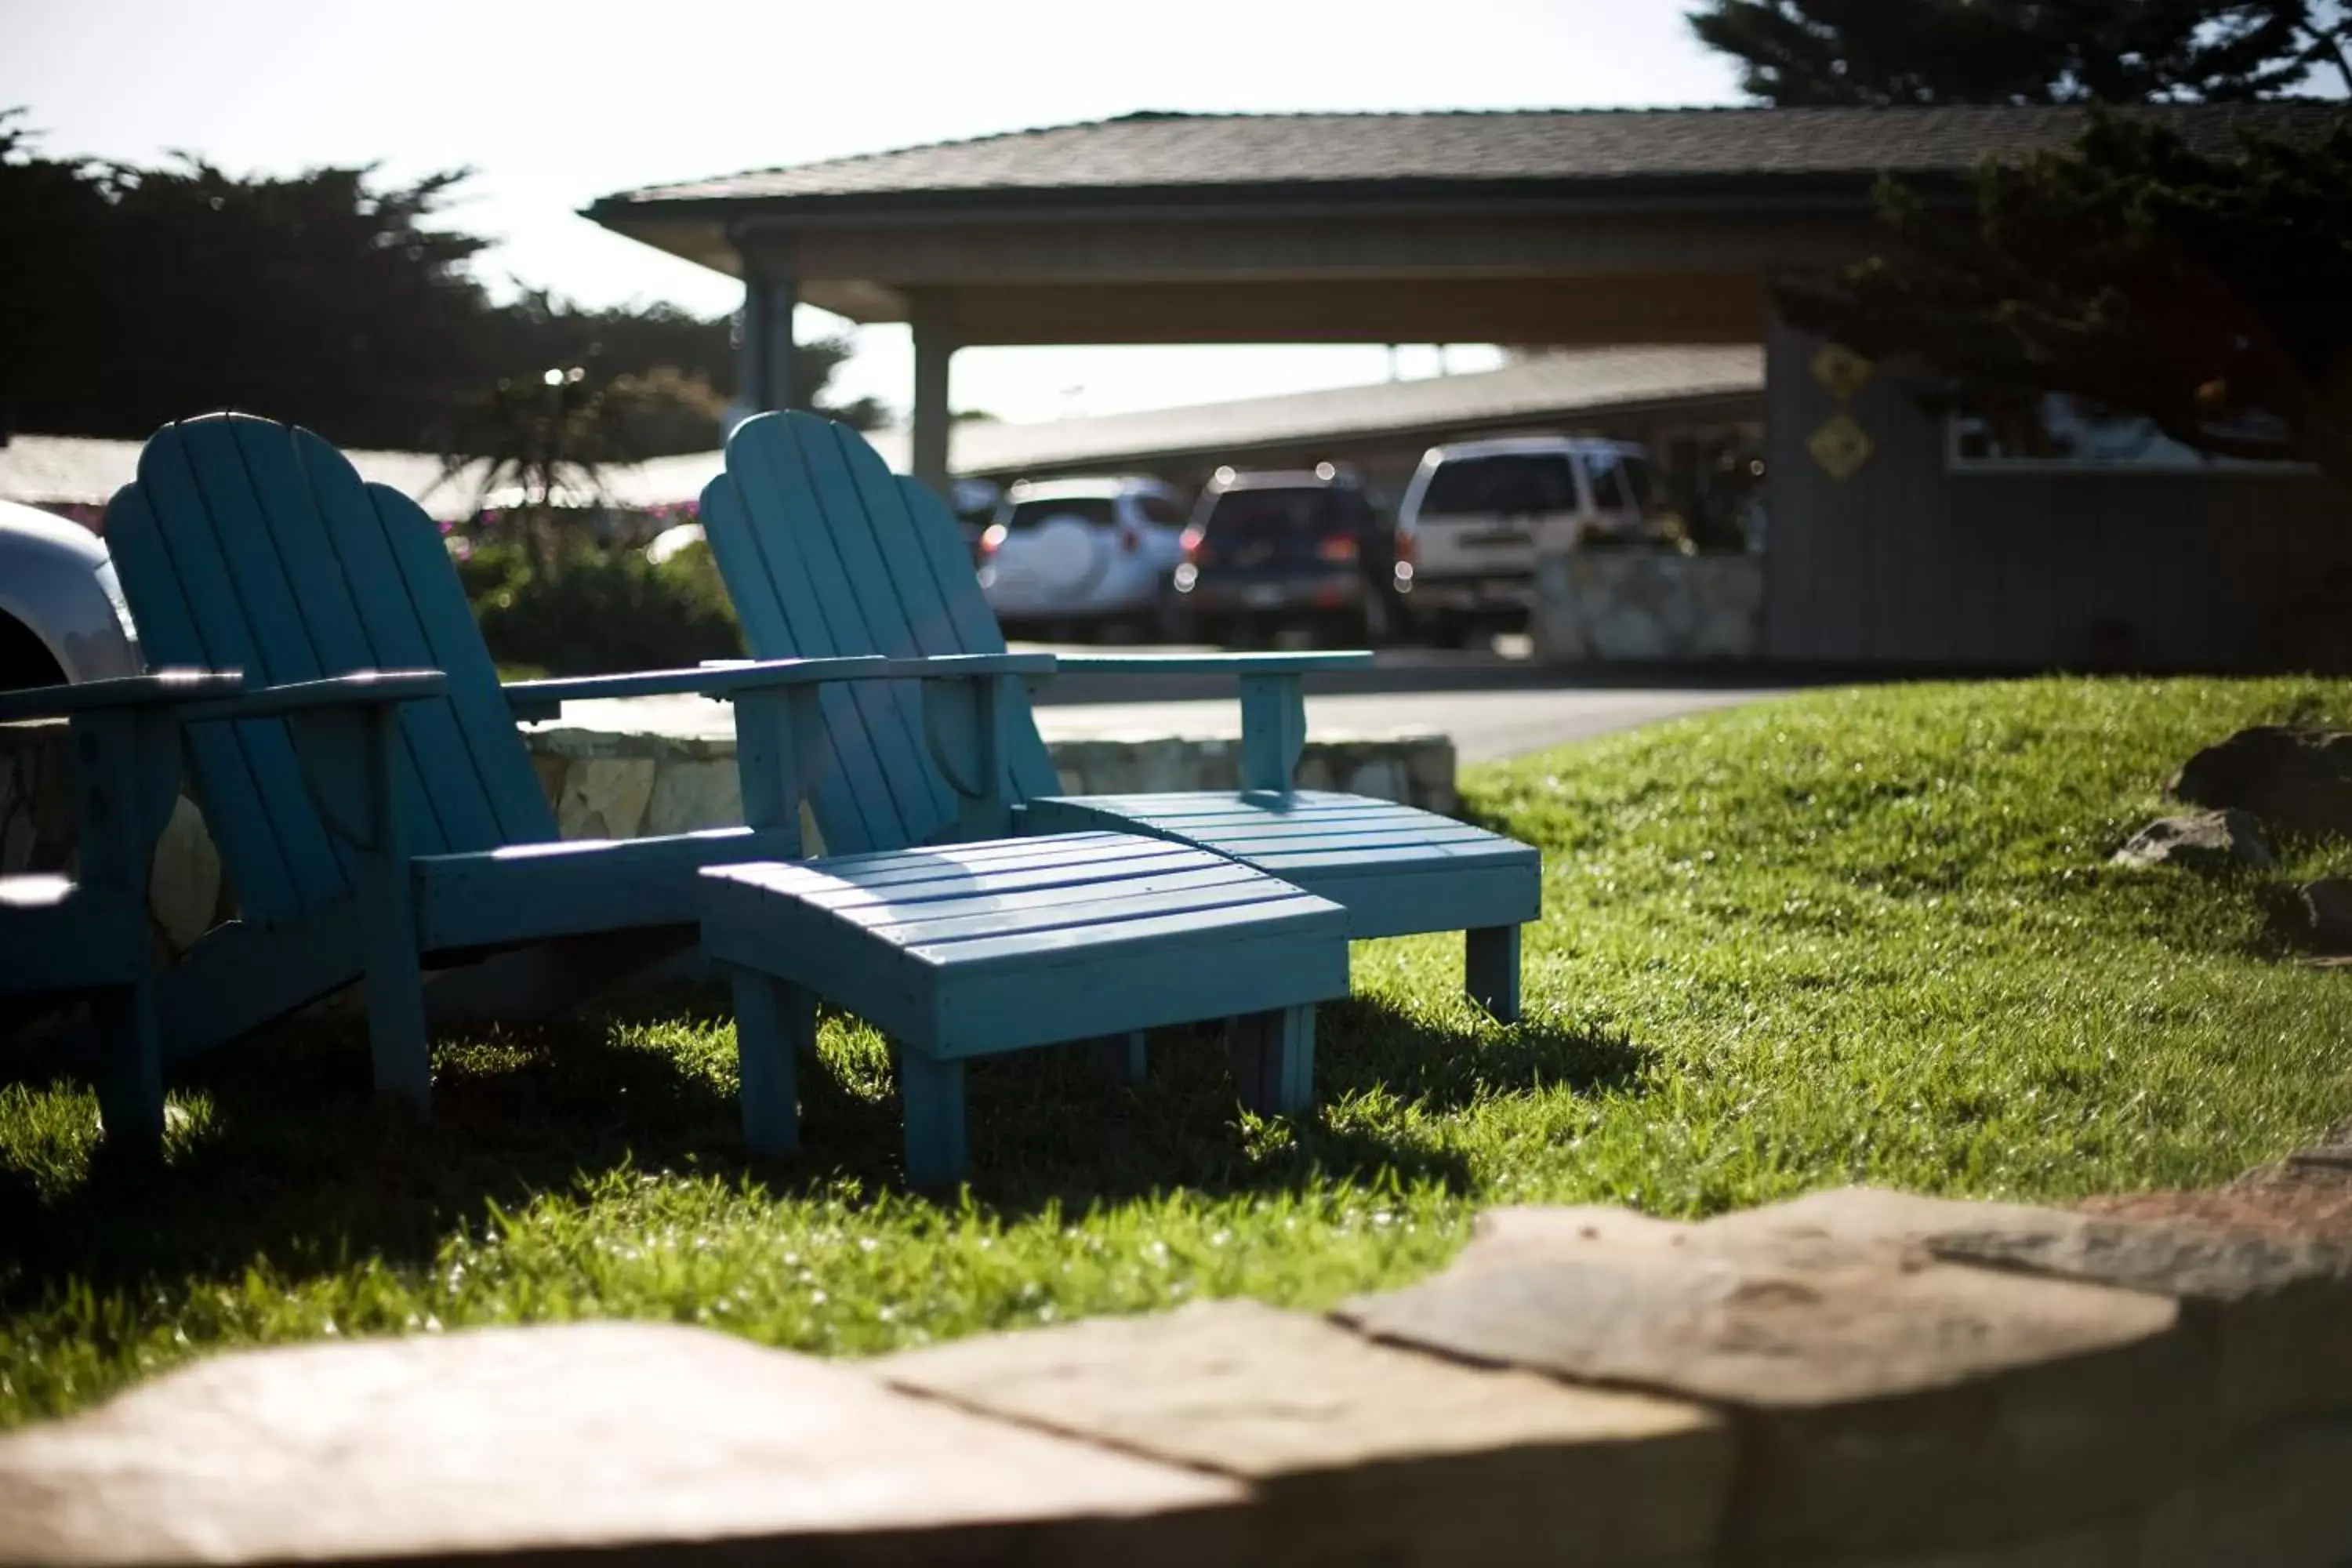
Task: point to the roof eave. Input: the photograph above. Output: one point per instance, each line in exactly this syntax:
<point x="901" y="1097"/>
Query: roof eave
<point x="1831" y="188"/>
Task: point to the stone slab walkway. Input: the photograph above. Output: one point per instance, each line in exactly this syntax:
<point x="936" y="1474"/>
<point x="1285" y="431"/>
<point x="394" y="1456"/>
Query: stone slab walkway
<point x="1858" y="1377"/>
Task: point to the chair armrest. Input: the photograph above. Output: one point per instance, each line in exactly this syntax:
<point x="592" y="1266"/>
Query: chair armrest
<point x="163" y="687"/>
<point x="1211" y="663"/>
<point x="1274" y="703"/>
<point x="545" y="698"/>
<point x="361" y="689"/>
<point x="975" y="665"/>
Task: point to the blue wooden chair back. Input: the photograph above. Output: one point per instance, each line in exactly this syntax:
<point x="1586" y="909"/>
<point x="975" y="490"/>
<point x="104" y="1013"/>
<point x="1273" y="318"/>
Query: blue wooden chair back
<point x="247" y="545"/>
<point x="826" y="552"/>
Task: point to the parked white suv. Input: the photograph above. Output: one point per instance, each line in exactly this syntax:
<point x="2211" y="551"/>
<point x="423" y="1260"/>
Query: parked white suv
<point x="1068" y="552"/>
<point x="1478" y="513"/>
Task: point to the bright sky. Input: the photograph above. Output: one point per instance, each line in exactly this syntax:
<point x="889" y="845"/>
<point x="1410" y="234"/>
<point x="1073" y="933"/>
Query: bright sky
<point x="558" y="101"/>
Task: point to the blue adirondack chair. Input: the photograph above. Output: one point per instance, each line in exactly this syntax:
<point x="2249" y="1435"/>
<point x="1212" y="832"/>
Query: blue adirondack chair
<point x="87" y="935"/>
<point x="827" y="553"/>
<point x="379" y="844"/>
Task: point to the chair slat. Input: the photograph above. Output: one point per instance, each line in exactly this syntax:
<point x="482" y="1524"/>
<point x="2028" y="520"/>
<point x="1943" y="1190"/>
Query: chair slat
<point x="1111" y="909"/>
<point x="235" y="812"/>
<point x="455" y="644"/>
<point x="1182" y="880"/>
<point x="854" y="586"/>
<point x="867" y="731"/>
<point x="276" y="534"/>
<point x="937" y="542"/>
<point x="226" y="638"/>
<point x="299" y="502"/>
<point x="786" y="622"/>
<point x="1144" y="931"/>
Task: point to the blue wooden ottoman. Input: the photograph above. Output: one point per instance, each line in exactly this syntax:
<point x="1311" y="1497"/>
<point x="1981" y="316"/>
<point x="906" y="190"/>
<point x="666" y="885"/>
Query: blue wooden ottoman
<point x="968" y="949"/>
<point x="1396" y="869"/>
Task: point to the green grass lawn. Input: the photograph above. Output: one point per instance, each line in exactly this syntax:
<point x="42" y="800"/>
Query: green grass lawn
<point x="1855" y="935"/>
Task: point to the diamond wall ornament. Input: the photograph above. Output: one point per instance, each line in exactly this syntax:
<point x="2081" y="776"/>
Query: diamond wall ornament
<point x="1841" y="371"/>
<point x="1840" y="447"/>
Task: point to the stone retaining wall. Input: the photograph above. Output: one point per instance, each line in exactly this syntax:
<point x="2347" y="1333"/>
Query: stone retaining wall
<point x="614" y="784"/>
<point x="1860" y="1378"/>
<point x="1648" y="607"/>
<point x="606" y="785"/>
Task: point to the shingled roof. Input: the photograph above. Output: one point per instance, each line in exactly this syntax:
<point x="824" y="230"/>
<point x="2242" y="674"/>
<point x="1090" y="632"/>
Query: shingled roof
<point x="1137" y="154"/>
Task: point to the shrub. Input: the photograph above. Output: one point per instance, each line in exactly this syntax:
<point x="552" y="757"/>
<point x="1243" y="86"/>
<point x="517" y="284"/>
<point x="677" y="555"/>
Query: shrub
<point x="600" y="612"/>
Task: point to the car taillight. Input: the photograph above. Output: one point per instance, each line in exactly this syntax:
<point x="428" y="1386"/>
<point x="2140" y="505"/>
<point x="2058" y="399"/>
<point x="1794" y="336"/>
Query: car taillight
<point x="1408" y="547"/>
<point x="1338" y="548"/>
<point x="991" y="541"/>
<point x="1189" y="542"/>
<point x="1129" y="540"/>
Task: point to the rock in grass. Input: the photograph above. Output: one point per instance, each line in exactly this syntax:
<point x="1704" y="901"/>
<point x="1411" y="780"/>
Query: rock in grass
<point x="2328" y="908"/>
<point x="2294" y="778"/>
<point x="2200" y="840"/>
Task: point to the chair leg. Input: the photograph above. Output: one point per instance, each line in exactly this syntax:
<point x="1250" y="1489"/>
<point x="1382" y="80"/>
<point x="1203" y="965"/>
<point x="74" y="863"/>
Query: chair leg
<point x="773" y="1021"/>
<point x="1274" y="1060"/>
<point x="930" y="1095"/>
<point x="128" y="1032"/>
<point x="1119" y="1060"/>
<point x="1491" y="968"/>
<point x="395" y="1007"/>
<point x="395" y="971"/>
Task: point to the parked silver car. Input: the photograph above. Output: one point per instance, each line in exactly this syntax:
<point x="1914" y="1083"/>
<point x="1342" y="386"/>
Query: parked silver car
<point x="1067" y="553"/>
<point x="62" y="616"/>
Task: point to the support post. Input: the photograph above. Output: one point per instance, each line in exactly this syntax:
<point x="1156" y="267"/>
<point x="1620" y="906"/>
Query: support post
<point x="934" y="347"/>
<point x="767" y="370"/>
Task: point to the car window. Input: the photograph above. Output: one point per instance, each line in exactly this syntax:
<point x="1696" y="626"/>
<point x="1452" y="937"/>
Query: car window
<point x="1162" y="511"/>
<point x="1518" y="482"/>
<point x="1271" y="512"/>
<point x="1621" y="481"/>
<point x="1030" y="514"/>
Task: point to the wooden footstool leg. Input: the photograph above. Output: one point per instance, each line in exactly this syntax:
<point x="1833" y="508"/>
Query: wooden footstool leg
<point x="1274" y="1060"/>
<point x="1119" y="1060"/>
<point x="930" y="1094"/>
<point x="1491" y="967"/>
<point x="774" y="1020"/>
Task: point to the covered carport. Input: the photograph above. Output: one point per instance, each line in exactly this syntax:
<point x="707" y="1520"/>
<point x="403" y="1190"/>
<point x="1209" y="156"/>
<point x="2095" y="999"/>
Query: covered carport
<point x="1583" y="228"/>
<point x="1539" y="228"/>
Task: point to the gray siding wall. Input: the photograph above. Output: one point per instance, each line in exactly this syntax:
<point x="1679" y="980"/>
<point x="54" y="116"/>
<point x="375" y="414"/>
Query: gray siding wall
<point x="1907" y="563"/>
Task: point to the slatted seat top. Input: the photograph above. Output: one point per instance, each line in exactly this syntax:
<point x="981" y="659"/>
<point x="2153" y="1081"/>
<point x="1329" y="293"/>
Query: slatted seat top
<point x="1012" y="901"/>
<point x="1305" y="830"/>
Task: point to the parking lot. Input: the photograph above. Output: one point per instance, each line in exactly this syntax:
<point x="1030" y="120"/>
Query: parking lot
<point x="1490" y="705"/>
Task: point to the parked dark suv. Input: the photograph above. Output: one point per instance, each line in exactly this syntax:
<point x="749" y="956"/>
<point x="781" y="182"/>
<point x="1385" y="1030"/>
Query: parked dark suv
<point x="1269" y="552"/>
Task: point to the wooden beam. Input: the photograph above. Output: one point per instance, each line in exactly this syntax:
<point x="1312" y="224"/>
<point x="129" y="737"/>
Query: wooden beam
<point x="1659" y="308"/>
<point x="1137" y="247"/>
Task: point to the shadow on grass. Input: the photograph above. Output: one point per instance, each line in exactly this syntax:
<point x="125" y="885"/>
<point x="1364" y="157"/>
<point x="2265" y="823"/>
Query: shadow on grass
<point x="290" y="1158"/>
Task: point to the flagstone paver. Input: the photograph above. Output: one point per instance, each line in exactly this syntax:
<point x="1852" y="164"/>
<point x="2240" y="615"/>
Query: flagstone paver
<point x="600" y="1442"/>
<point x="1882" y="1402"/>
<point x="1358" y="1452"/>
<point x="2275" y="1309"/>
